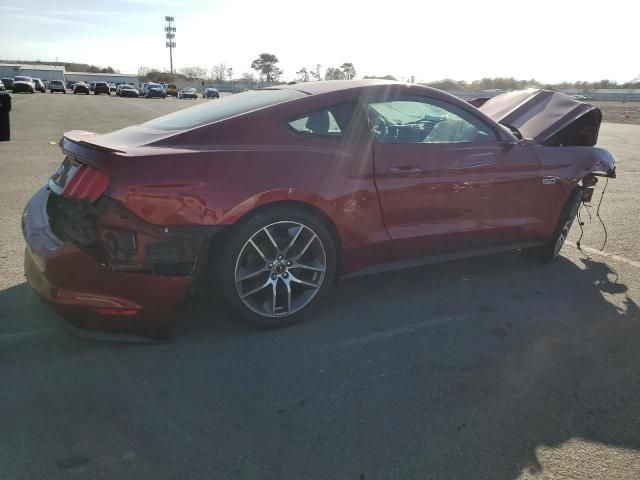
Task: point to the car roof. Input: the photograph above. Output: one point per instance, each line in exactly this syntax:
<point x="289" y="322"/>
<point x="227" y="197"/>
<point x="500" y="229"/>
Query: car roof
<point x="313" y="88"/>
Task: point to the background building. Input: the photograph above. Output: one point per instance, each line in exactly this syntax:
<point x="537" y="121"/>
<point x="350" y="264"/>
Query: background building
<point x="43" y="72"/>
<point x="116" y="78"/>
<point x="54" y="72"/>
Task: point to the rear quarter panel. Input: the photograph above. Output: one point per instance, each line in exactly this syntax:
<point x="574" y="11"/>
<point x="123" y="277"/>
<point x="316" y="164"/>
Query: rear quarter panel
<point x="218" y="174"/>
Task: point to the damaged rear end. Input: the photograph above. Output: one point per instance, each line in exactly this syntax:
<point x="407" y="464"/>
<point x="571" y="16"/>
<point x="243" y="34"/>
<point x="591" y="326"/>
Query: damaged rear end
<point x="103" y="267"/>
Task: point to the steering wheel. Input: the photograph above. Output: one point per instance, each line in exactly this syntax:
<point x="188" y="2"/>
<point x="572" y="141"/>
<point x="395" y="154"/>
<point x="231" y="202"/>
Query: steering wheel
<point x="379" y="127"/>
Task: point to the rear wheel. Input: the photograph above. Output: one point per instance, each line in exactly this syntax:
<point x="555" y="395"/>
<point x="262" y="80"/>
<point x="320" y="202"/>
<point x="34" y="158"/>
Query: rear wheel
<point x="276" y="265"/>
<point x="551" y="250"/>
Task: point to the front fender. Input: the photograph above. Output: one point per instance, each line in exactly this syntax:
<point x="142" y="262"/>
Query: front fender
<point x="603" y="161"/>
<point x="572" y="164"/>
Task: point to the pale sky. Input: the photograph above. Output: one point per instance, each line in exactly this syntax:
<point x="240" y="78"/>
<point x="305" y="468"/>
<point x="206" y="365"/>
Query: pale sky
<point x="547" y="40"/>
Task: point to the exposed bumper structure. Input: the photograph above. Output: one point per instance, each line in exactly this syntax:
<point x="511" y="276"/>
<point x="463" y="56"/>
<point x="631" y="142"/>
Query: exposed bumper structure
<point x="90" y="295"/>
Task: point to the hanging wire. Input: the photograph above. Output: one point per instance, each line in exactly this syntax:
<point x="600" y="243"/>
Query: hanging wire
<point x="580" y="224"/>
<point x="606" y="234"/>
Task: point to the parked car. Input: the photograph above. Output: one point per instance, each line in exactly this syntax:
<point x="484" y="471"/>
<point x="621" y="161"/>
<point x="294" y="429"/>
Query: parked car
<point x="188" y="92"/>
<point x="112" y="87"/>
<point x="268" y="196"/>
<point x="154" y="90"/>
<point x="210" y="92"/>
<point x="38" y="85"/>
<point x="172" y="90"/>
<point x="582" y="98"/>
<point x="128" y="91"/>
<point x="92" y="85"/>
<point x="8" y="83"/>
<point x="101" y="87"/>
<point x="23" y="84"/>
<point x="57" y="86"/>
<point x="81" y="87"/>
<point x="2" y="87"/>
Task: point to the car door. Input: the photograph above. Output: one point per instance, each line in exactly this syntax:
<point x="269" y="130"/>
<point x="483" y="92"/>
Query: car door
<point x="447" y="181"/>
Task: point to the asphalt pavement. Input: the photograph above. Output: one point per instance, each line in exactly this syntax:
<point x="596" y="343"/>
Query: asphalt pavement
<point x="489" y="368"/>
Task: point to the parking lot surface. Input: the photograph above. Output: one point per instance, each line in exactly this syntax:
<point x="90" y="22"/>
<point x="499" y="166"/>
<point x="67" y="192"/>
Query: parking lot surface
<point x="493" y="368"/>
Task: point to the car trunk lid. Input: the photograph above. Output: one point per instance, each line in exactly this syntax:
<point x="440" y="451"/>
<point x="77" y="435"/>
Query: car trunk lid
<point x="551" y="118"/>
<point x="120" y="141"/>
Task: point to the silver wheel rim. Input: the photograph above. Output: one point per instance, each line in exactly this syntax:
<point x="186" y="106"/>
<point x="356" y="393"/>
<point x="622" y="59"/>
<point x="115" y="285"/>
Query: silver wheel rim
<point x="280" y="269"/>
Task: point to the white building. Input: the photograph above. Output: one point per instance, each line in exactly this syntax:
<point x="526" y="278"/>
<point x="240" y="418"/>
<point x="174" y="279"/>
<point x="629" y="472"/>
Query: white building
<point x="54" y="72"/>
<point x="43" y="72"/>
<point x="116" y="78"/>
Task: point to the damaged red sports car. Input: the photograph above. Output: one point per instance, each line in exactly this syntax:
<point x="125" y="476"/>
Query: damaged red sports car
<point x="268" y="196"/>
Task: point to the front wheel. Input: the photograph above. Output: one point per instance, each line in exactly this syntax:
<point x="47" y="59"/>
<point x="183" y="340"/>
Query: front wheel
<point x="551" y="250"/>
<point x="276" y="265"/>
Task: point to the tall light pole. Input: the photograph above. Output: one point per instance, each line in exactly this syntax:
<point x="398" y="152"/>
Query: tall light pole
<point x="170" y="34"/>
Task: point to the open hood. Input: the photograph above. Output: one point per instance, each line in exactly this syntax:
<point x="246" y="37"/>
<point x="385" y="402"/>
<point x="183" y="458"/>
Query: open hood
<point x="548" y="117"/>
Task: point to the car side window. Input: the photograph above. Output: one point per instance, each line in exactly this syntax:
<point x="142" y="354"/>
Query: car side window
<point x="425" y="121"/>
<point x="329" y="122"/>
<point x="320" y="122"/>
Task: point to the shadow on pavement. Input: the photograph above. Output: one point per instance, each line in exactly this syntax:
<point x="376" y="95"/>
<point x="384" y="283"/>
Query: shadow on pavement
<point x="460" y="370"/>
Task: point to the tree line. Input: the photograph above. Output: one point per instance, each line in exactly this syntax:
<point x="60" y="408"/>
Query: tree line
<point x="502" y="83"/>
<point x="266" y="69"/>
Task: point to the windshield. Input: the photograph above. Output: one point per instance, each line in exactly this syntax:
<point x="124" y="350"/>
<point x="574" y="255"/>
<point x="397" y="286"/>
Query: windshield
<point x="226" y="107"/>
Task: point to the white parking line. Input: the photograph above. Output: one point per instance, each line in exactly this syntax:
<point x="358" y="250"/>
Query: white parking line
<point x="394" y="332"/>
<point x="612" y="256"/>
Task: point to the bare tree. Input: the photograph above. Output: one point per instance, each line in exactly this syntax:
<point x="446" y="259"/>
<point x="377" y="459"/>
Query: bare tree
<point x="248" y="77"/>
<point x="334" y="74"/>
<point x="316" y="73"/>
<point x="218" y="72"/>
<point x="194" y="72"/>
<point x="303" y="75"/>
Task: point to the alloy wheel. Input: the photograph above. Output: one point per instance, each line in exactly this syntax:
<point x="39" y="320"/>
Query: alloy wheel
<point x="280" y="269"/>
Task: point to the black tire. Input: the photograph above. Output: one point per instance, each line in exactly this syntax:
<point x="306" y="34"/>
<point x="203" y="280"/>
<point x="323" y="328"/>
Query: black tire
<point x="226" y="262"/>
<point x="550" y="251"/>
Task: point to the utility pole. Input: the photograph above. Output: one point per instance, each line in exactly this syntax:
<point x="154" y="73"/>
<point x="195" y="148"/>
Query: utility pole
<point x="170" y="34"/>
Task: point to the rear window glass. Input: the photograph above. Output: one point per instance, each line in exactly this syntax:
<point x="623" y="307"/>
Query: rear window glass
<point x="226" y="107"/>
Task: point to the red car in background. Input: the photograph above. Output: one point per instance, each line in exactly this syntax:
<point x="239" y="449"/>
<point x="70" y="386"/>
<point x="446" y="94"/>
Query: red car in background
<point x="268" y="196"/>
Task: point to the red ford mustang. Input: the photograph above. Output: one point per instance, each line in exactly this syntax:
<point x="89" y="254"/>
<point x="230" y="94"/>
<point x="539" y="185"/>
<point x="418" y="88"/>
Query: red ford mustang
<point x="268" y="196"/>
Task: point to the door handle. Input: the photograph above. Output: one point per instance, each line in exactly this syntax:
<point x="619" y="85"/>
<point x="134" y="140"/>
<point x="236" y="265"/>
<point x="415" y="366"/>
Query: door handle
<point x="404" y="170"/>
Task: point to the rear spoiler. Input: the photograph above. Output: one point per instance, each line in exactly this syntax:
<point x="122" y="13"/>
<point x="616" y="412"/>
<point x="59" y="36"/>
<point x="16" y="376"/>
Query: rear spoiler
<point x="81" y="137"/>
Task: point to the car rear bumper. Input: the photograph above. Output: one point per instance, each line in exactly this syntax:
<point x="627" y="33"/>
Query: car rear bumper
<point x="89" y="295"/>
<point x="22" y="88"/>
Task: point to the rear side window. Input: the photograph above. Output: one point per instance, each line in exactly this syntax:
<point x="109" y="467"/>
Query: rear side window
<point x="227" y="107"/>
<point x="328" y="122"/>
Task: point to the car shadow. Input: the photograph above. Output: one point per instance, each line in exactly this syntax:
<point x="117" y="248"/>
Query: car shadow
<point x="468" y="369"/>
<point x="542" y="355"/>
